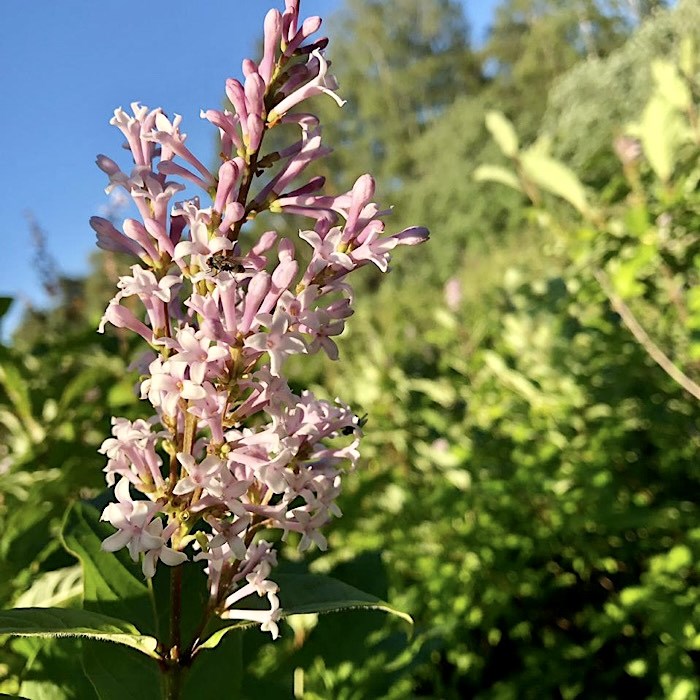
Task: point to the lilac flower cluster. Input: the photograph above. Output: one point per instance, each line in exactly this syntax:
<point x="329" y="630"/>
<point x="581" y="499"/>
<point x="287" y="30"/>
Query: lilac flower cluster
<point x="243" y="453"/>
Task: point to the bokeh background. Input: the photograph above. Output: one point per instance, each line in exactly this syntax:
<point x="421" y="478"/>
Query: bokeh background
<point x="529" y="485"/>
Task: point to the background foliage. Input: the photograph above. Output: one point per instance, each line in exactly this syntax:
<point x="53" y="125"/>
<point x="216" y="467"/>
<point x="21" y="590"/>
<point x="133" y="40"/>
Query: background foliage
<point x="529" y="491"/>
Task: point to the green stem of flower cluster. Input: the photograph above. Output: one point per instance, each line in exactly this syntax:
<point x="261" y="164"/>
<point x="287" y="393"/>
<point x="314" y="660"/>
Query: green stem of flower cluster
<point x="173" y="668"/>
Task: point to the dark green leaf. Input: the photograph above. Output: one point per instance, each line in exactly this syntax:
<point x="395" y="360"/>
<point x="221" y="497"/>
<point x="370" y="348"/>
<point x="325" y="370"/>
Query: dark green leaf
<point x="117" y="673"/>
<point x="219" y="668"/>
<point x="5" y="304"/>
<point x="18" y="392"/>
<point x="54" y="671"/>
<point x="66" y="622"/>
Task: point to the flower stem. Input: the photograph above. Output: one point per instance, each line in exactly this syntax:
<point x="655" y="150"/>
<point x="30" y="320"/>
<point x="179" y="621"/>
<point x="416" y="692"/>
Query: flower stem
<point x="173" y="669"/>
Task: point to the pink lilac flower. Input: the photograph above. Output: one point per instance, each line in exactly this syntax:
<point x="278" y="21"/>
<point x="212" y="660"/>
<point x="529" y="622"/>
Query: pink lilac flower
<point x="230" y="451"/>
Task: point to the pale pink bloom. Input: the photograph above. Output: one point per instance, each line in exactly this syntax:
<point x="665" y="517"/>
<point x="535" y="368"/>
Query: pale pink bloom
<point x="328" y="252"/>
<point x="376" y="250"/>
<point x="278" y="342"/>
<point x="282" y="277"/>
<point x="227" y="124"/>
<point x="169" y="556"/>
<point x="131" y="453"/>
<point x="303" y="521"/>
<point x="310" y="26"/>
<point x="138" y="530"/>
<point x="299" y="308"/>
<point x="121" y="317"/>
<point x="229" y="175"/>
<point x="272" y="29"/>
<point x="320" y="84"/>
<point x="233" y="212"/>
<point x="327" y="327"/>
<point x="172" y="143"/>
<point x="453" y="293"/>
<point x="195" y="352"/>
<point x="108" y="238"/>
<point x="361" y="194"/>
<point x="166" y="387"/>
<point x="211" y="410"/>
<point x="153" y="198"/>
<point x="200" y="475"/>
<point x="137" y="232"/>
<point x="307" y="151"/>
<point x="229" y="533"/>
<point x="153" y="293"/>
<point x="117" y="178"/>
<point x="169" y="167"/>
<point x="257" y="290"/>
<point x="267" y="619"/>
<point x="145" y="284"/>
<point x="134" y="129"/>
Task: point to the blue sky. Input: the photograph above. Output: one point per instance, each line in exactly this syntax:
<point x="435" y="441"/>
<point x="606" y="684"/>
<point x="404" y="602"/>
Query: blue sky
<point x="65" y="65"/>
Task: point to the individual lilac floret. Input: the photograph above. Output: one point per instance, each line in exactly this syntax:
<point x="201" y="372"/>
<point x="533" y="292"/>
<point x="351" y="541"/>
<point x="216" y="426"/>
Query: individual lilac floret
<point x="139" y="531"/>
<point x="231" y="452"/>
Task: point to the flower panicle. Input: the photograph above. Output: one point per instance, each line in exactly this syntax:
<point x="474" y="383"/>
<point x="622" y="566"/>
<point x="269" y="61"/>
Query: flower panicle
<point x="231" y="451"/>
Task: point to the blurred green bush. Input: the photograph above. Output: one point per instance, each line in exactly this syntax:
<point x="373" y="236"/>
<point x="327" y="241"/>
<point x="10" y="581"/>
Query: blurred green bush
<point x="531" y="481"/>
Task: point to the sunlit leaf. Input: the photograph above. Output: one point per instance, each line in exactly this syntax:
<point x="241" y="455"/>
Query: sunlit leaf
<point x="53" y="589"/>
<point x="503" y="133"/>
<point x="670" y="84"/>
<point x="661" y="130"/>
<point x="495" y="173"/>
<point x="66" y="622"/>
<point x="555" y="177"/>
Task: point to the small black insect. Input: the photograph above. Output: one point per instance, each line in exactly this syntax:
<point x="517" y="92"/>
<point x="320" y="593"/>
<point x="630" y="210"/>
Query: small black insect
<point x="359" y="423"/>
<point x="220" y="262"/>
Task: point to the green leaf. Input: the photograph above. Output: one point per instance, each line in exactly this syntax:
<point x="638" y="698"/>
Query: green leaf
<point x="670" y="84"/>
<point x="301" y="594"/>
<point x="113" y="584"/>
<point x="495" y="173"/>
<point x="662" y="130"/>
<point x="219" y="668"/>
<point x="66" y="622"/>
<point x="53" y="589"/>
<point x="54" y="670"/>
<point x="13" y="697"/>
<point x="5" y="304"/>
<point x="555" y="177"/>
<point x="118" y="672"/>
<point x="503" y="133"/>
<point x="686" y="57"/>
<point x="18" y="393"/>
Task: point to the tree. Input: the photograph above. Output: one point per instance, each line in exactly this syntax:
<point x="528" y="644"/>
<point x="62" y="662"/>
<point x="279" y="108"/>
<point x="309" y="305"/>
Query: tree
<point x="532" y="42"/>
<point x="399" y="64"/>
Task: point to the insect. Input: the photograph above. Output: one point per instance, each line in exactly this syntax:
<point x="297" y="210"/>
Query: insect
<point x="359" y="423"/>
<point x="220" y="262"/>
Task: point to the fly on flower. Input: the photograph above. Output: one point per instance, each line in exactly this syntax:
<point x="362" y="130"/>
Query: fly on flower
<point x="359" y="423"/>
<point x="220" y="262"/>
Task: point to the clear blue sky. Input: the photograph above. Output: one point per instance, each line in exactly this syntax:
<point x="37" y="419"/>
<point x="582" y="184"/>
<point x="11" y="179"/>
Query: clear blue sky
<point x="66" y="64"/>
